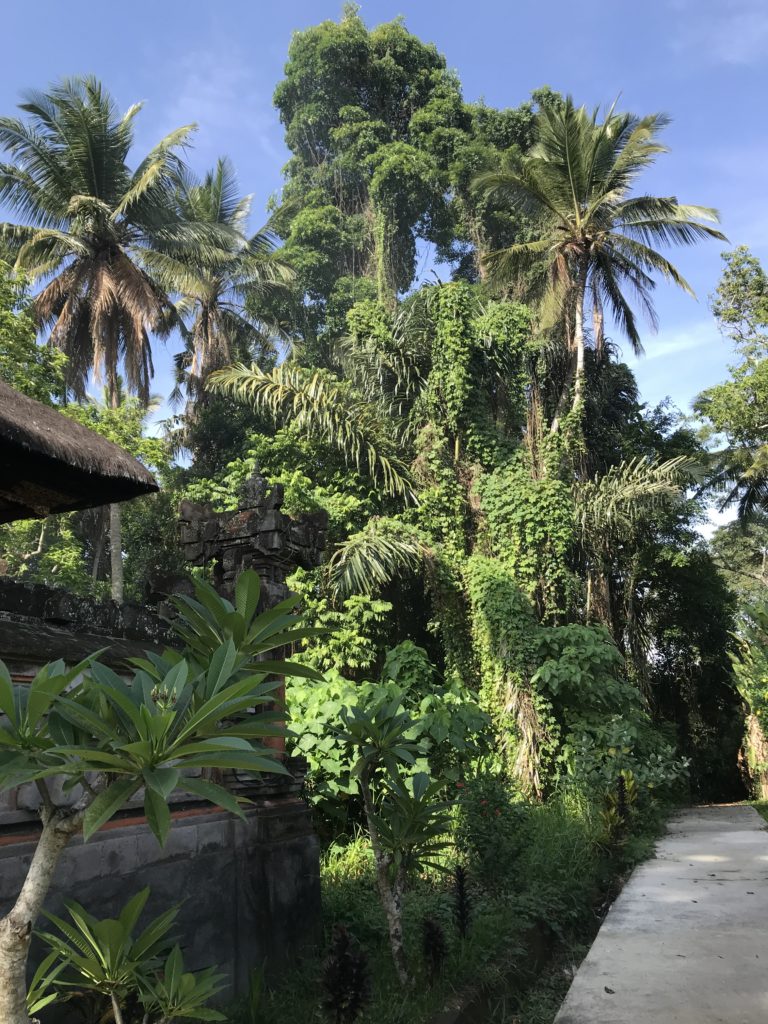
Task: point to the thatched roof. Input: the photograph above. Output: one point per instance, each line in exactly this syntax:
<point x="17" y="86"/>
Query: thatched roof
<point x="49" y="463"/>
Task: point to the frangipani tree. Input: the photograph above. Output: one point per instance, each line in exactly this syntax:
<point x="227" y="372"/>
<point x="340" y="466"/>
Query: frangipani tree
<point x="407" y="821"/>
<point x="109" y="738"/>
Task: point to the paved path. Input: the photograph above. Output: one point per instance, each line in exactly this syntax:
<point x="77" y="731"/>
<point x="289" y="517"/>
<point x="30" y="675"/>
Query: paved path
<point x="686" y="942"/>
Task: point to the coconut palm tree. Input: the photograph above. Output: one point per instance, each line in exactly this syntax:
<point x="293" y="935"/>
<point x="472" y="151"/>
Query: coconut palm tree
<point x="219" y="295"/>
<point x="86" y="224"/>
<point x="596" y="238"/>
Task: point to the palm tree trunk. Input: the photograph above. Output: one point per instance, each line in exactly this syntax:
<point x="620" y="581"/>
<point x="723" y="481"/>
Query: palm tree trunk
<point x="116" y="530"/>
<point x="578" y="334"/>
<point x="16" y="927"/>
<point x="598" y="323"/>
<point x="116" y="552"/>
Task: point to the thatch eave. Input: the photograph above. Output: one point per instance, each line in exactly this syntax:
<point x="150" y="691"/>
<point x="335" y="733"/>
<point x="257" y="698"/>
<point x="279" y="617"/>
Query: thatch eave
<point x="49" y="463"/>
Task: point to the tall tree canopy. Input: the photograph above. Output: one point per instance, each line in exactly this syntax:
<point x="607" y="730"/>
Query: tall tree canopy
<point x="594" y="238"/>
<point x="384" y="152"/>
<point x="737" y="409"/>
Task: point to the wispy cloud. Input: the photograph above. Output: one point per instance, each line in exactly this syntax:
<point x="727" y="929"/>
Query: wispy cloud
<point x="670" y="343"/>
<point x="721" y="31"/>
<point x="221" y="91"/>
<point x="680" y="362"/>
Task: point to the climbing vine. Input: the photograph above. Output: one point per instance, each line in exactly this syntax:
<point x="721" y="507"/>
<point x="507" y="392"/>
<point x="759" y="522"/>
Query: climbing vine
<point x="528" y="524"/>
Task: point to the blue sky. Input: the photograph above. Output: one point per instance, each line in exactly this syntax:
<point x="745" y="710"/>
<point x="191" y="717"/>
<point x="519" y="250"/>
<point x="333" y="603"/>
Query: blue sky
<point x="701" y="61"/>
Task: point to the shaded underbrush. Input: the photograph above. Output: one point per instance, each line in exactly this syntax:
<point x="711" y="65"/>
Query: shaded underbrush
<point x="539" y="878"/>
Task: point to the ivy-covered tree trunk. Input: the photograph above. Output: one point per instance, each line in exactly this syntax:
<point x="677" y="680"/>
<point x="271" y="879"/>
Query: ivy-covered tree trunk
<point x="16" y="927"/>
<point x="757" y="756"/>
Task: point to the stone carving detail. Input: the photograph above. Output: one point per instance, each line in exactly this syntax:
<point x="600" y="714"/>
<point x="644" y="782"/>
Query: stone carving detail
<point x="257" y="536"/>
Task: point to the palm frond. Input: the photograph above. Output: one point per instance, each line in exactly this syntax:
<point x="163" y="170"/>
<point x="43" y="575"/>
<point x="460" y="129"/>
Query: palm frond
<point x="612" y="506"/>
<point x="370" y="559"/>
<point x="574" y="183"/>
<point x="160" y="163"/>
<point x="322" y="406"/>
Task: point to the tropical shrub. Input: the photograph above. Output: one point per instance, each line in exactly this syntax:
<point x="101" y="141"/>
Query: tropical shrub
<point x="490" y="826"/>
<point x="603" y="726"/>
<point x="750" y="666"/>
<point x="110" y="739"/>
<point x="140" y="978"/>
<point x="447" y="727"/>
<point x="407" y="824"/>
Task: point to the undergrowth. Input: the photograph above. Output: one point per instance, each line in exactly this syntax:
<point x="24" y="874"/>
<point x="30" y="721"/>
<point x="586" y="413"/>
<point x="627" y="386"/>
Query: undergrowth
<point x="554" y="877"/>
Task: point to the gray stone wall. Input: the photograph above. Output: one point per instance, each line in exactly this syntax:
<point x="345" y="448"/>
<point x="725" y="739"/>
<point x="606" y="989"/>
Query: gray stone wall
<point x="249" y="891"/>
<point x="259" y="535"/>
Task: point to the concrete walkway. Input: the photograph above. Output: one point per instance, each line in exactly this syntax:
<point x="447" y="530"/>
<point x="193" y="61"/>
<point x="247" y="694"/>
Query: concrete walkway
<point x="686" y="942"/>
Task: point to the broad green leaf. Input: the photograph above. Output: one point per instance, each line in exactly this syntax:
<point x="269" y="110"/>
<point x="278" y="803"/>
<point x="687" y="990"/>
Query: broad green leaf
<point x="162" y="780"/>
<point x="158" y="814"/>
<point x="83" y="718"/>
<point x="247" y="594"/>
<point x="131" y="912"/>
<point x="7" y="704"/>
<point x="213" y="793"/>
<point x="107" y="804"/>
<point x="255" y="763"/>
<point x="153" y="939"/>
<point x="222" y="664"/>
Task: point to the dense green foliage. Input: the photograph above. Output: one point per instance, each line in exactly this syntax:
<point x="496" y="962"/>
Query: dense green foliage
<point x="524" y="644"/>
<point x="535" y="872"/>
<point x="736" y="409"/>
<point x="735" y="425"/>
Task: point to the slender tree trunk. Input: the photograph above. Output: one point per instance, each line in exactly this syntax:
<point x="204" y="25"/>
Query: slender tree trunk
<point x="98" y="547"/>
<point x="16" y="927"/>
<point x="117" y="1013"/>
<point x="40" y="542"/>
<point x="116" y="552"/>
<point x="390" y="894"/>
<point x="562" y="402"/>
<point x="578" y="335"/>
<point x="115" y="525"/>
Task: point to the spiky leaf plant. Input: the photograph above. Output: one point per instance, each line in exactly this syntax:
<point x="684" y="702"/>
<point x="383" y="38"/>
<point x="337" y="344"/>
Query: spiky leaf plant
<point x="346" y="979"/>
